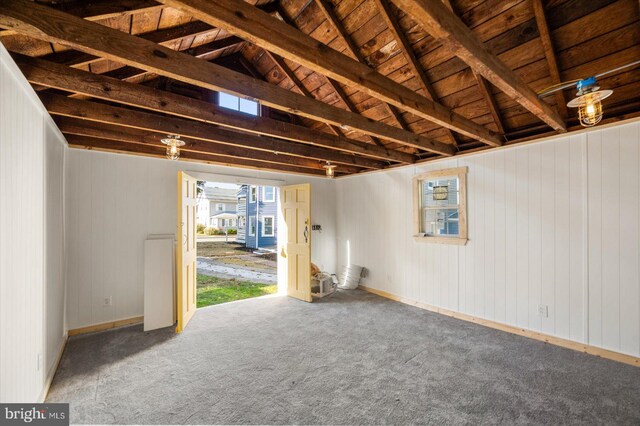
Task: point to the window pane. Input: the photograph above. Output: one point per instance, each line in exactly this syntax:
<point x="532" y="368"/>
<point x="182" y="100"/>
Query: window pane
<point x="269" y="193"/>
<point x="249" y="107"/>
<point x="440" y="192"/>
<point x="440" y="222"/>
<point x="268" y="226"/>
<point x="228" y="101"/>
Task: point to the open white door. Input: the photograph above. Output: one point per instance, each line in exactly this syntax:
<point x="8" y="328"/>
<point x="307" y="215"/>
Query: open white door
<point x="186" y="252"/>
<point x="295" y="202"/>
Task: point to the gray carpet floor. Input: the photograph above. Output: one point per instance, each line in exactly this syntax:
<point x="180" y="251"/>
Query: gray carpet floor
<point x="351" y="358"/>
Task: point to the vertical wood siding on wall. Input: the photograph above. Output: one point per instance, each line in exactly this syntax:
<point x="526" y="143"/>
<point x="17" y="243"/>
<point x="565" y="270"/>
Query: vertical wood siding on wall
<point x="31" y="239"/>
<point x="554" y="223"/>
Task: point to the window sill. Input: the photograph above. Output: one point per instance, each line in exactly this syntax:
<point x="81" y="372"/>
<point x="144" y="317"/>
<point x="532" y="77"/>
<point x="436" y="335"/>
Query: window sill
<point x="441" y="240"/>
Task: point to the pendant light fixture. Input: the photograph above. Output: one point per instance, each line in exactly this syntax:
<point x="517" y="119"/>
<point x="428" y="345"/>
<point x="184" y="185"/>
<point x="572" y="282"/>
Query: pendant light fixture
<point x="589" y="96"/>
<point x="589" y="101"/>
<point x="330" y="169"/>
<point x="173" y="144"/>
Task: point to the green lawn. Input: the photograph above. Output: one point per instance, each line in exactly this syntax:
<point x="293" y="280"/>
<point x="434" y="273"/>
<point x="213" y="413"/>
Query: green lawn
<point x="213" y="290"/>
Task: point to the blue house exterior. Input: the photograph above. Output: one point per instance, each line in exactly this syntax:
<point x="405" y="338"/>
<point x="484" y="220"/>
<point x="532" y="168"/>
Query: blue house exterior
<point x="259" y="228"/>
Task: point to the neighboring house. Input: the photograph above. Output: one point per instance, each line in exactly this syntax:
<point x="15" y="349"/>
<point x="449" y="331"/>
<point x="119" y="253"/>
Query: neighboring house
<point x="259" y="227"/>
<point x="217" y="208"/>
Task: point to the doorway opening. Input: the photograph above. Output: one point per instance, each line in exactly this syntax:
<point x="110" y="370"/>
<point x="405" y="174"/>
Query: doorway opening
<point x="236" y="242"/>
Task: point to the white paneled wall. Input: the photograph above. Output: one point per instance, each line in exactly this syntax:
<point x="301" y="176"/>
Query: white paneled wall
<point x="31" y="242"/>
<point x="114" y="201"/>
<point x="554" y="223"/>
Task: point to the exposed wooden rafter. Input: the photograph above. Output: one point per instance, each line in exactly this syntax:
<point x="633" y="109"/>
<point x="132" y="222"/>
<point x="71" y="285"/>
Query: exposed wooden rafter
<point x="109" y="145"/>
<point x="485" y="89"/>
<point x="269" y="33"/>
<point x="282" y="66"/>
<point x="329" y="13"/>
<point x="48" y="24"/>
<point x="81" y="127"/>
<point x="550" y="55"/>
<point x="101" y="113"/>
<point x="444" y="25"/>
<point x="394" y="26"/>
<point x="334" y="86"/>
<point x="57" y="76"/>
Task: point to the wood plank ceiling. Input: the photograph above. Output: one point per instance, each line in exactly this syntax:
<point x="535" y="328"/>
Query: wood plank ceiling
<point x="364" y="84"/>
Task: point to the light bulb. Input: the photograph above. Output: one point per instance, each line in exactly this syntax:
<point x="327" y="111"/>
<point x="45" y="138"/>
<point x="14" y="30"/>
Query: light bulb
<point x="173" y="143"/>
<point x="589" y="102"/>
<point x="329" y="169"/>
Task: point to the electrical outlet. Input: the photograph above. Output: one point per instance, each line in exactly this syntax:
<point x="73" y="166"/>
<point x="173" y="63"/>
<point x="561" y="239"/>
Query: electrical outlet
<point x="107" y="301"/>
<point x="543" y="311"/>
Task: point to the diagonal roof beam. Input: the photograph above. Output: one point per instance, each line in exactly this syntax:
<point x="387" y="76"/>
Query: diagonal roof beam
<point x="444" y="25"/>
<point x="549" y="53"/>
<point x="51" y="25"/>
<point x="485" y="89"/>
<point x="333" y="19"/>
<point x="415" y="66"/>
<point x="260" y="28"/>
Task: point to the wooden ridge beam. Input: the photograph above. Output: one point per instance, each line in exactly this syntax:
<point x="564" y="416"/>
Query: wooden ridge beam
<point x="51" y="25"/>
<point x="260" y="28"/>
<point x="549" y="53"/>
<point x="102" y="113"/>
<point x="109" y="145"/>
<point x="415" y="66"/>
<point x="76" y="126"/>
<point x="444" y="25"/>
<point x="38" y="71"/>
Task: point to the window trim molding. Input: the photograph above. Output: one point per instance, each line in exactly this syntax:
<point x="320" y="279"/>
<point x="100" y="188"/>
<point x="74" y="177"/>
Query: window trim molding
<point x="255" y="200"/>
<point x="461" y="174"/>
<point x="273" y="226"/>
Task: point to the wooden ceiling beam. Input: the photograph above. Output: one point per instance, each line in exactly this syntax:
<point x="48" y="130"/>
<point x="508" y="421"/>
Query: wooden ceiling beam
<point x="102" y="113"/>
<point x="109" y="145"/>
<point x="48" y="24"/>
<point x="38" y="71"/>
<point x="252" y="24"/>
<point x="549" y="53"/>
<point x="80" y="127"/>
<point x="415" y="66"/>
<point x="436" y="19"/>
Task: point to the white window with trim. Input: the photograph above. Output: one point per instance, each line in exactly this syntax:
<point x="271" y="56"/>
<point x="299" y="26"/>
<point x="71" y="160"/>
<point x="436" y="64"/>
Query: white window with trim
<point x="238" y="104"/>
<point x="440" y="208"/>
<point x="252" y="226"/>
<point x="253" y="194"/>
<point x="219" y="207"/>
<point x="268" y="194"/>
<point x="267" y="226"/>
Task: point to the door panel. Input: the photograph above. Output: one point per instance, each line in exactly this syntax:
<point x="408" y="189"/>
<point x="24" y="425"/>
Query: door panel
<point x="296" y="206"/>
<point x="187" y="252"/>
